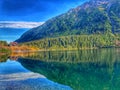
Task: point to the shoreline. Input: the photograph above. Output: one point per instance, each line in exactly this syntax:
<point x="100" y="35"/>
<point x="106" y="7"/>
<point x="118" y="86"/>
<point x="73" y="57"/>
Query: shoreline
<point x="74" y="49"/>
<point x="10" y="50"/>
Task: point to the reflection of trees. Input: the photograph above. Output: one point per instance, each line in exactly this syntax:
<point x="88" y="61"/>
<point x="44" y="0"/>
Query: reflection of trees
<point x="96" y="69"/>
<point x="3" y="57"/>
<point x="99" y="55"/>
<point x="13" y="56"/>
<point x="16" y="55"/>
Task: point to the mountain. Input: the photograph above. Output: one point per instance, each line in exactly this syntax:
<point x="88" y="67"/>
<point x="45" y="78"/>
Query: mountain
<point x="93" y="17"/>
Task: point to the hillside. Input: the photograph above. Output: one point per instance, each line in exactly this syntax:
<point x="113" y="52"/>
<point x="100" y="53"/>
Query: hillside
<point x="93" y="17"/>
<point x="76" y="42"/>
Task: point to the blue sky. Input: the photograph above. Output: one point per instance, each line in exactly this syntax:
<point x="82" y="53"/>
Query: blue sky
<point x="34" y="10"/>
<point x="11" y="34"/>
<point x="27" y="11"/>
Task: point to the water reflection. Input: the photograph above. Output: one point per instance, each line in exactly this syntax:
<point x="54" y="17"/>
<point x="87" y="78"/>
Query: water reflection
<point x="13" y="76"/>
<point x="3" y="57"/>
<point x="16" y="55"/>
<point x="81" y="70"/>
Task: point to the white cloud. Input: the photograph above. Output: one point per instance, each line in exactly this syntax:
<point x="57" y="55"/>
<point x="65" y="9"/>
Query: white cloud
<point x="19" y="24"/>
<point x="20" y="76"/>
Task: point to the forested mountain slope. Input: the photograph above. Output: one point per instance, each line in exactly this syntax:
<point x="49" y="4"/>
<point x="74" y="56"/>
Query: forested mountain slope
<point x="95" y="16"/>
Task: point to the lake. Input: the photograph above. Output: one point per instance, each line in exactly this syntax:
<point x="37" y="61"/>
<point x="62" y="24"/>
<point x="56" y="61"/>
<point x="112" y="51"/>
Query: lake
<point x="97" y="69"/>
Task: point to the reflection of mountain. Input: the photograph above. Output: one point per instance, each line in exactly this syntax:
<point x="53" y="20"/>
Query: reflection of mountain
<point x="13" y="76"/>
<point x="96" y="69"/>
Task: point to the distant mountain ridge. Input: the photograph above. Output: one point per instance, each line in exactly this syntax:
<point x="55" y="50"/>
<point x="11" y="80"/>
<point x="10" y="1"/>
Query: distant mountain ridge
<point x="95" y="16"/>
